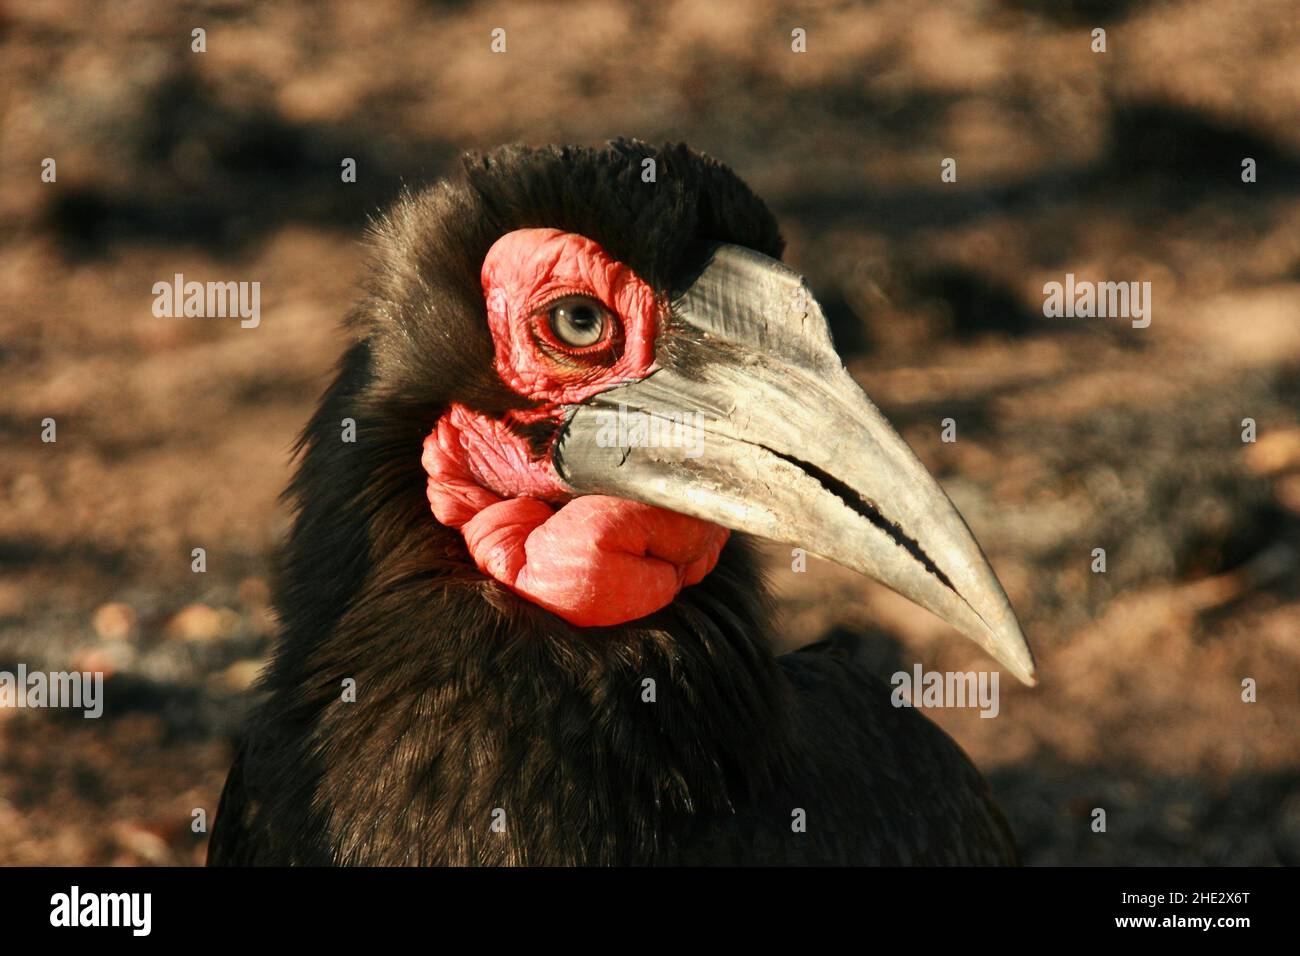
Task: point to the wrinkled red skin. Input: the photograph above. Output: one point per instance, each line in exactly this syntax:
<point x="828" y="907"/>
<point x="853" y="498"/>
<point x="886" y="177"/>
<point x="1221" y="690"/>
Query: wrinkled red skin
<point x="592" y="559"/>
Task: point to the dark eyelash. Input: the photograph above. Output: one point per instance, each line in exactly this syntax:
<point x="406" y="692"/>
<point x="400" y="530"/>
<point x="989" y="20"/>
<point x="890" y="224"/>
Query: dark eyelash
<point x="575" y="294"/>
<point x="605" y="352"/>
<point x="561" y="357"/>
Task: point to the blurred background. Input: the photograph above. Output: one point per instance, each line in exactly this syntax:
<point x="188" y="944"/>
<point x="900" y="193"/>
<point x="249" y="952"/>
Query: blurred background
<point x="1073" y="434"/>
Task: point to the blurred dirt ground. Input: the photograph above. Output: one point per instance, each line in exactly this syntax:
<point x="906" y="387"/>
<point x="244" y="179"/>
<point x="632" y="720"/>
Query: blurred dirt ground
<point x="1073" y="434"/>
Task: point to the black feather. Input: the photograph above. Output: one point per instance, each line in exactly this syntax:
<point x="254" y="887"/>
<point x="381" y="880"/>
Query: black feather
<point x="471" y="701"/>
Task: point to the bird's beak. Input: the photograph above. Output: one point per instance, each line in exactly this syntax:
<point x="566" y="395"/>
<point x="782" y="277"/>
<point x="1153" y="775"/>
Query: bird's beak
<point x="751" y="421"/>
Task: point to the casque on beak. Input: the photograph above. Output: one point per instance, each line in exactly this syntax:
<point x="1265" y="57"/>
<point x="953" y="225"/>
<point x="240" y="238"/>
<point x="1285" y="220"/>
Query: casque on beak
<point x="792" y="449"/>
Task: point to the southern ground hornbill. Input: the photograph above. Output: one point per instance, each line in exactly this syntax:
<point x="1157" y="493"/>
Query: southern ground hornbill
<point x="561" y="653"/>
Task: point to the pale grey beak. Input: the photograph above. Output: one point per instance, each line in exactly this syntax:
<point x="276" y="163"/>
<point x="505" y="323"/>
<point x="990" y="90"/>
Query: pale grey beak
<point x="751" y="421"/>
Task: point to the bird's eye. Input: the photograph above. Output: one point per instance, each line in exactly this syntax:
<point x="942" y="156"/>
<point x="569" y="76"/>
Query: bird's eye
<point x="578" y="320"/>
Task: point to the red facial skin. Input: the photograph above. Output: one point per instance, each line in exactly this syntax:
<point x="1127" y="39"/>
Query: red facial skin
<point x="592" y="559"/>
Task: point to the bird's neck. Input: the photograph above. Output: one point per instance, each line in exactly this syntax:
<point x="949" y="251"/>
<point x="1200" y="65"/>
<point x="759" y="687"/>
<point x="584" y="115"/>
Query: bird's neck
<point x="484" y="730"/>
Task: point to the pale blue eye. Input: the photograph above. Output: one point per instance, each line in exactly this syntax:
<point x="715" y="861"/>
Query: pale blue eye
<point x="578" y="320"/>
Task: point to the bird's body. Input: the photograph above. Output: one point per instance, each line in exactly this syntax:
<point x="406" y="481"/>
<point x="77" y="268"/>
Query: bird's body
<point x="492" y="722"/>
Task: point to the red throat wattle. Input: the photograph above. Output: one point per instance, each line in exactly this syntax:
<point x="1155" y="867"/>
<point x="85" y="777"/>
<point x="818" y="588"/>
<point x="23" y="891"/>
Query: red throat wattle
<point x="592" y="560"/>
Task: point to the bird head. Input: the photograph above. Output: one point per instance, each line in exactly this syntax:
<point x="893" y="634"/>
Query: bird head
<point x="618" y="372"/>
